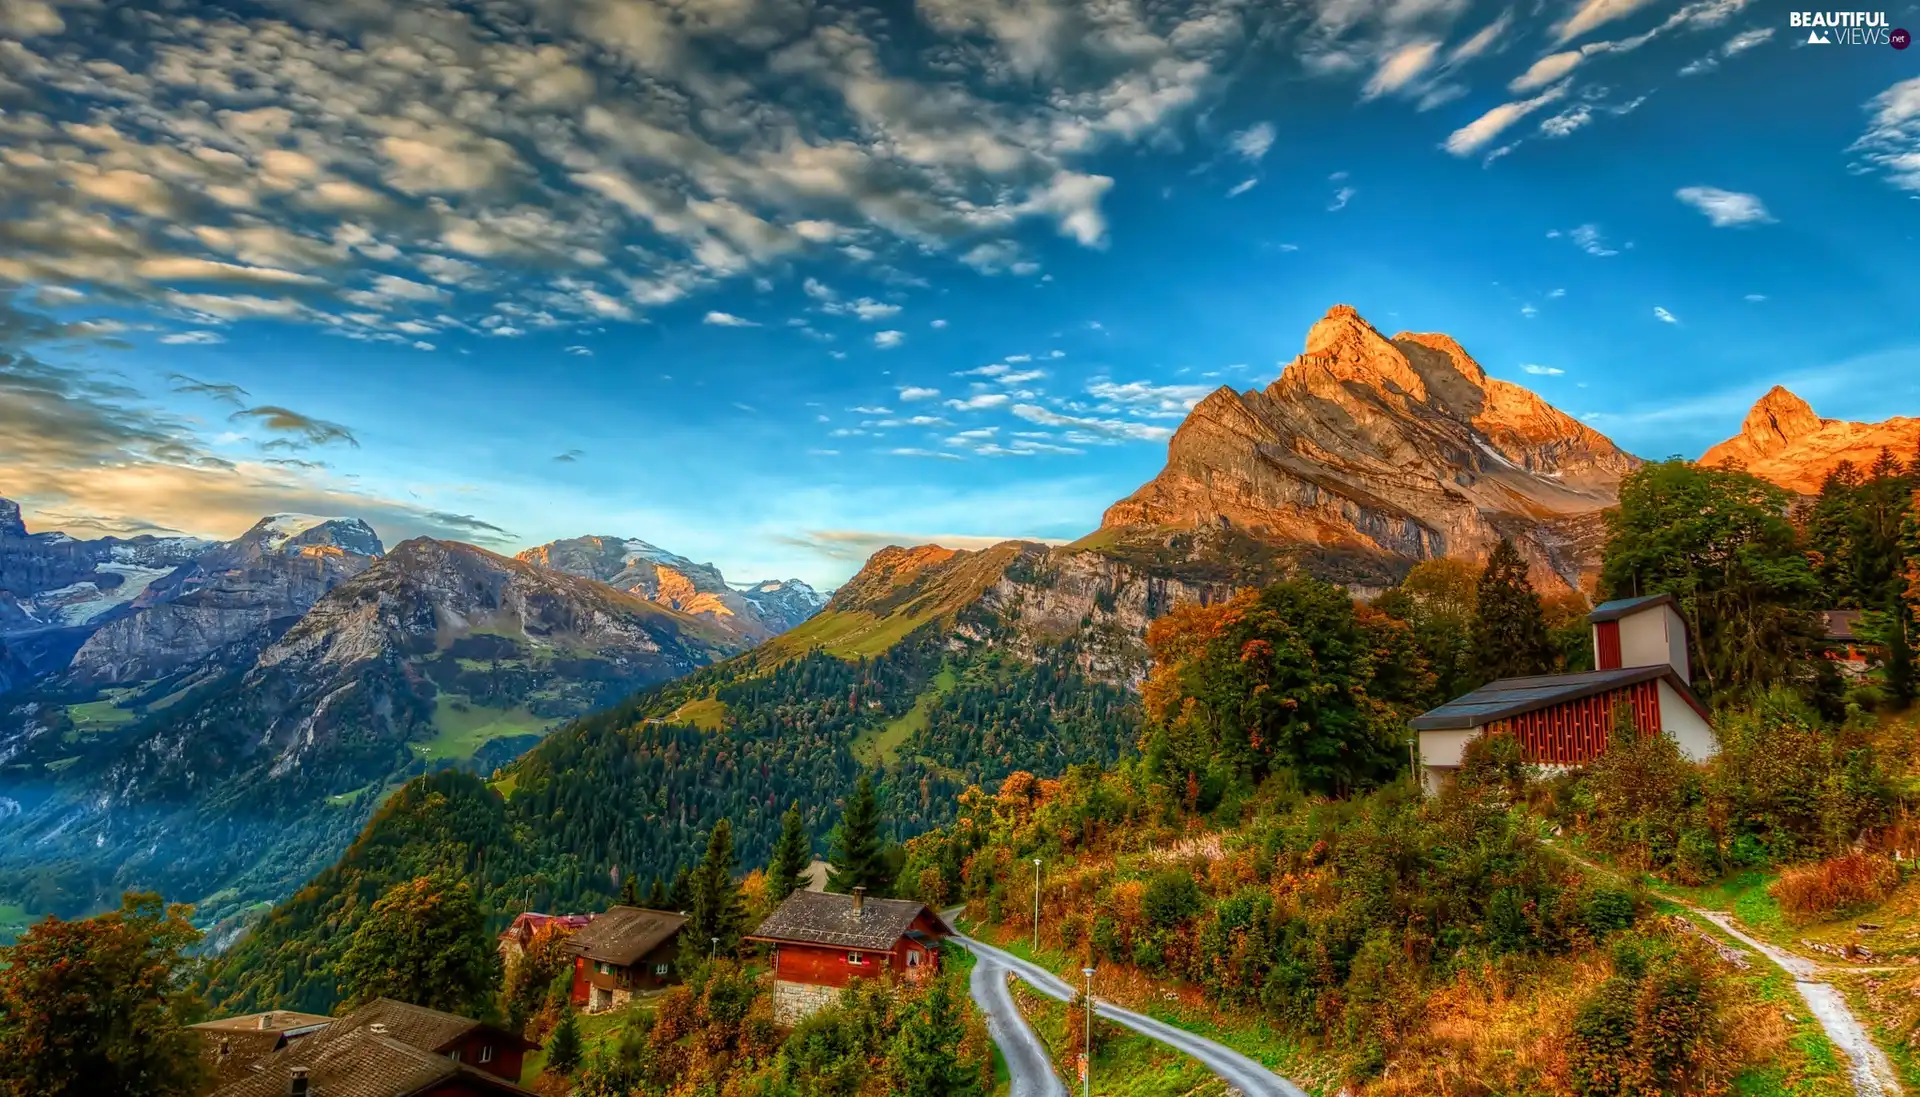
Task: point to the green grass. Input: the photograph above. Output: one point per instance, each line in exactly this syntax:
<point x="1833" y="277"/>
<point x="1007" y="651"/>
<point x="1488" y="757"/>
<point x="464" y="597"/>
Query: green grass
<point x="882" y="745"/>
<point x="344" y="799"/>
<point x="458" y="734"/>
<point x="1745" y="894"/>
<point x="505" y="785"/>
<point x="853" y="633"/>
<point x="705" y="713"/>
<point x="595" y="1029"/>
<point x="1125" y="1063"/>
<point x="100" y="716"/>
<point x="14" y="921"/>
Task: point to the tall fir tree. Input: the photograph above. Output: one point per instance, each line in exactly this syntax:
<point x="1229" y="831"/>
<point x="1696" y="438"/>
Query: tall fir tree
<point x="925" y="1057"/>
<point x="563" y="1047"/>
<point x="680" y="894"/>
<point x="718" y="909"/>
<point x="792" y="853"/>
<point x="858" y="858"/>
<point x="1510" y="636"/>
<point x="630" y="891"/>
<point x="657" y="895"/>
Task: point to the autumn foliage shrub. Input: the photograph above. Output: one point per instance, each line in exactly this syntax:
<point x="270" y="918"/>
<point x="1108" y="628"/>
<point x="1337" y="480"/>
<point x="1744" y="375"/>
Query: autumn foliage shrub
<point x="1837" y="884"/>
<point x="1664" y="1023"/>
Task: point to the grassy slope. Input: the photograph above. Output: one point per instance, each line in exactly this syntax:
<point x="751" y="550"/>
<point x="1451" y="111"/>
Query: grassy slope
<point x="458" y="734"/>
<point x="1125" y="1063"/>
<point x="705" y="713"/>
<point x="882" y="745"/>
<point x="595" y="1028"/>
<point x="102" y="715"/>
<point x="14" y="921"/>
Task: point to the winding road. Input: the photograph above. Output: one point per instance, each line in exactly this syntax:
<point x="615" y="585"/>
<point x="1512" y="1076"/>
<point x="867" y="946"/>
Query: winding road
<point x="1017" y="1040"/>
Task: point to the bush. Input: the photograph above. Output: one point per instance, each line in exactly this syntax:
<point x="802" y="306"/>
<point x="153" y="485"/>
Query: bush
<point x="1659" y="1025"/>
<point x="1605" y="910"/>
<point x="1834" y="885"/>
<point x="1172" y="897"/>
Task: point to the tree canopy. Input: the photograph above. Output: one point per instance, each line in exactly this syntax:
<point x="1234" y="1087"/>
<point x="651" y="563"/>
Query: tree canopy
<point x="424" y="942"/>
<point x="857" y="857"/>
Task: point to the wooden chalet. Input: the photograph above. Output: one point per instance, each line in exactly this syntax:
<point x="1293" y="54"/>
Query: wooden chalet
<point x="389" y="1049"/>
<point x="1564" y="720"/>
<point x="822" y="941"/>
<point x="625" y="950"/>
<point x="232" y="1045"/>
<point x="515" y="938"/>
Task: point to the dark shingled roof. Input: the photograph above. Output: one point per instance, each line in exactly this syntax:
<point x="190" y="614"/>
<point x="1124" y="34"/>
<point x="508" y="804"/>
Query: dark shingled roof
<point x="360" y="1062"/>
<point x="1511" y="697"/>
<point x="1620" y="607"/>
<point x="624" y="934"/>
<point x="278" y="1020"/>
<point x="426" y="1029"/>
<point x="1841" y="624"/>
<point x="826" y="918"/>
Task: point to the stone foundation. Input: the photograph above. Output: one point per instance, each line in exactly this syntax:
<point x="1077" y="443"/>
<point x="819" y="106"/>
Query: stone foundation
<point x="793" y="1002"/>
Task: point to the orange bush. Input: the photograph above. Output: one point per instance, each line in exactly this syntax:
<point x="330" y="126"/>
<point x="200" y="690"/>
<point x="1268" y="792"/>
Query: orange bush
<point x="1839" y="883"/>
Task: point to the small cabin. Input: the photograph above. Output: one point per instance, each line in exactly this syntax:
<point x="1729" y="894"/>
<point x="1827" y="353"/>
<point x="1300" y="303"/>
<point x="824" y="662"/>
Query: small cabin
<point x="625" y="951"/>
<point x="1563" y="720"/>
<point x="383" y="1049"/>
<point x="513" y="940"/>
<point x="823" y="940"/>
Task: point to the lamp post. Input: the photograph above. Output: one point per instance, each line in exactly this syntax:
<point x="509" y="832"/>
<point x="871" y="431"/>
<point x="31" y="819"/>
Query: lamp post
<point x="1036" y="904"/>
<point x="712" y="948"/>
<point x="1086" y="1076"/>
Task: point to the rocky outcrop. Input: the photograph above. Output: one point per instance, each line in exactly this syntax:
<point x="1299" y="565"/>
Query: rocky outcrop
<point x="1782" y="440"/>
<point x="1397" y="449"/>
<point x="275" y="571"/>
<point x="50" y="581"/>
<point x="11" y="527"/>
<point x="761" y="611"/>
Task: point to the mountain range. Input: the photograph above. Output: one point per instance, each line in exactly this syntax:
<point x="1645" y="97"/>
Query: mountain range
<point x="224" y="732"/>
<point x="1782" y="440"/>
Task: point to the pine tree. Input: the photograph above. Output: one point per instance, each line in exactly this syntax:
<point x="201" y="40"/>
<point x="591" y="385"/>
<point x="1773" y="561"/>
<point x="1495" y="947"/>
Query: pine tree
<point x="563" y="1046"/>
<point x="718" y="911"/>
<point x="680" y="895"/>
<point x="657" y="895"/>
<point x="925" y="1057"/>
<point x="791" y="855"/>
<point x="1510" y="638"/>
<point x="630" y="891"/>
<point x="857" y="858"/>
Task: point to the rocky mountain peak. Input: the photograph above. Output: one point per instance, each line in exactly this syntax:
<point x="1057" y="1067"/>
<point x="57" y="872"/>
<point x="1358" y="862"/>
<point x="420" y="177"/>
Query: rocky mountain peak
<point x="1784" y="441"/>
<point x="666" y="578"/>
<point x="1344" y="347"/>
<point x="10" y="524"/>
<point x="294" y="534"/>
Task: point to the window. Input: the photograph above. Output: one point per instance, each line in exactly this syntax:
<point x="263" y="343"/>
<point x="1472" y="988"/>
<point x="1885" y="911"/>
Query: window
<point x="603" y="968"/>
<point x="454" y="1055"/>
<point x="660" y="970"/>
<point x="913" y="957"/>
<point x="856" y="959"/>
<point x="486" y="1053"/>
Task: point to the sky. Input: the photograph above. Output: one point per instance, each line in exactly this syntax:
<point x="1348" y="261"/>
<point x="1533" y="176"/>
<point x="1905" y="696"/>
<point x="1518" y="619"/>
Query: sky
<point x="774" y="283"/>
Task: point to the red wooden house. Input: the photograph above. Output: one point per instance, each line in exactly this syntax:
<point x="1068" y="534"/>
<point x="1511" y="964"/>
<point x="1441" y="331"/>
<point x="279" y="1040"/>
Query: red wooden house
<point x="822" y="941"/>
<point x="1640" y="656"/>
<point x="625" y="950"/>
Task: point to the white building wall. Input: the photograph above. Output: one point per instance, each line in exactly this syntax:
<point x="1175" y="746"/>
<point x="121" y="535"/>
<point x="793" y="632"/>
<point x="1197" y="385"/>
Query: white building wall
<point x="1679" y="720"/>
<point x="1654" y="636"/>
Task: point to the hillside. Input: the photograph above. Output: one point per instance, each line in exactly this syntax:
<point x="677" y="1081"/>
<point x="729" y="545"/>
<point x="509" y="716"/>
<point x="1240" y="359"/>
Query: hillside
<point x="1369" y="454"/>
<point x="1782" y="440"/>
<point x="232" y="779"/>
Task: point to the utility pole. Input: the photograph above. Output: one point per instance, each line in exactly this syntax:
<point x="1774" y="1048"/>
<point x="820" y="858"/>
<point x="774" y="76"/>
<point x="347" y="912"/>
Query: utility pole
<point x="1086" y="1075"/>
<point x="1036" y="905"/>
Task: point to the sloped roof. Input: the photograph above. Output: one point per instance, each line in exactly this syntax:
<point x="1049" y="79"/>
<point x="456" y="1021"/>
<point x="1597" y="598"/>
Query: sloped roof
<point x="278" y="1021"/>
<point x="1510" y="697"/>
<point x="363" y="1063"/>
<point x="827" y="918"/>
<point x="1620" y="607"/>
<point x="624" y="934"/>
<point x="1841" y="624"/>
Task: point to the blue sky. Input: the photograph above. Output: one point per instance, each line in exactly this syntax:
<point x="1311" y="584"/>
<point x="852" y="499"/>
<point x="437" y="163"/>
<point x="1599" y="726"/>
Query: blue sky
<point x="775" y="283"/>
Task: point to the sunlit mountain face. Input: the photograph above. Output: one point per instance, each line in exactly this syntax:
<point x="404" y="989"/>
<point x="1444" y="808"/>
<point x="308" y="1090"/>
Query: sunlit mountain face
<point x="777" y="283"/>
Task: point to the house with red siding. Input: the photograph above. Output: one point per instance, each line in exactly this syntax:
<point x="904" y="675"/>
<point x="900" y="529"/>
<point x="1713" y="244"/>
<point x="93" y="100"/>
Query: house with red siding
<point x="516" y="937"/>
<point x="625" y="951"/>
<point x="822" y="941"/>
<point x="1565" y="720"/>
<point x="389" y="1049"/>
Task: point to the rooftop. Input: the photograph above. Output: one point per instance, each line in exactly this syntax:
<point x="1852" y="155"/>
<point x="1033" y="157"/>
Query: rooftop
<point x="1511" y="697"/>
<point x="624" y="934"/>
<point x="1621" y="607"/>
<point x="274" y="1020"/>
<point x="827" y="918"/>
<point x="361" y="1062"/>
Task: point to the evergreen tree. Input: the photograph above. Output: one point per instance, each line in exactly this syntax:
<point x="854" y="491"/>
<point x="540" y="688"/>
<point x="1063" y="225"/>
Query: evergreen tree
<point x="857" y="857"/>
<point x="925" y="1057"/>
<point x="101" y="1005"/>
<point x="718" y="910"/>
<point x="680" y="895"/>
<point x="791" y="855"/>
<point x="424" y="942"/>
<point x="563" y="1046"/>
<point x="630" y="891"/>
<point x="657" y="895"/>
<point x="1510" y="638"/>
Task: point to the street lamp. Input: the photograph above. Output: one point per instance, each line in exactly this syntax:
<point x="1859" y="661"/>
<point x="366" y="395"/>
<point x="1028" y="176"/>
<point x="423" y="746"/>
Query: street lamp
<point x="1036" y="905"/>
<point x="712" y="948"/>
<point x="1086" y="1076"/>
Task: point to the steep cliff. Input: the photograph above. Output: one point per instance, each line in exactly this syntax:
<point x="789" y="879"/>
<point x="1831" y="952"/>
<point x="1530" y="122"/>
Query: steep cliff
<point x="1782" y="440"/>
<point x="1376" y="453"/>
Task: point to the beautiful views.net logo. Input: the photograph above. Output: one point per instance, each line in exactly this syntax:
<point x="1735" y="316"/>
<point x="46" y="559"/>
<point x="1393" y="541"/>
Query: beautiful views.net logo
<point x="1848" y="28"/>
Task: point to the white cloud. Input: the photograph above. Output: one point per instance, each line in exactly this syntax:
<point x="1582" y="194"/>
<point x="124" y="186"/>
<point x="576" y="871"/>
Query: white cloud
<point x="727" y="320"/>
<point x="193" y="338"/>
<point x="1149" y="399"/>
<point x="937" y="324"/>
<point x="1738" y="44"/>
<point x="1253" y="142"/>
<point x="887" y="340"/>
<point x="1664" y="316"/>
<point x="1556" y="293"/>
<point x="909" y="451"/>
<point x="1475" y="135"/>
<point x="581" y="352"/>
<point x="1589" y="239"/>
<point x="1725" y="208"/>
<point x="912" y="392"/>
<point x="1543" y="371"/>
<point x="1241" y="188"/>
<point x="979" y="401"/>
<point x="1892" y="139"/>
<point x="1399" y="68"/>
<point x="1546" y="70"/>
<point x="1094" y="428"/>
<point x="1340" y="199"/>
<point x="1756" y="297"/>
<point x="1595" y="13"/>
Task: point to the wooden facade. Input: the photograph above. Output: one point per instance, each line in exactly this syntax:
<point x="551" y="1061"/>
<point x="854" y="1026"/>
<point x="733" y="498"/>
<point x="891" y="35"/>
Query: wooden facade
<point x="656" y="969"/>
<point x="835" y="966"/>
<point x="1576" y="732"/>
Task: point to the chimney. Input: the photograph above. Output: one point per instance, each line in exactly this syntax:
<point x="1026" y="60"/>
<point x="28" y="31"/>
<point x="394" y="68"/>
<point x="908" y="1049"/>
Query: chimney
<point x="859" y="900"/>
<point x="264" y="1020"/>
<point x="297" y="1082"/>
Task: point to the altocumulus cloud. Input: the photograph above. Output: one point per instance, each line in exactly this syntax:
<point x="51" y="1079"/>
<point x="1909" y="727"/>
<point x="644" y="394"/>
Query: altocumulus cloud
<point x="1725" y="208"/>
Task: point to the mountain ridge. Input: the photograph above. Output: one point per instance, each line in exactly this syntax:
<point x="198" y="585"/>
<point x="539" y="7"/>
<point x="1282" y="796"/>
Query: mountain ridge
<point x="1782" y="440"/>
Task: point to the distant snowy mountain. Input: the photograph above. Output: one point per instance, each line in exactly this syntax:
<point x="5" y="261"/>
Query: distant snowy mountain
<point x="753" y="612"/>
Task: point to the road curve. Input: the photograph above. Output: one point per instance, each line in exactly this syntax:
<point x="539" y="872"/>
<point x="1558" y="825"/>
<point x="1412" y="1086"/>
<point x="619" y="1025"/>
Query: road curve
<point x="1237" y="1070"/>
<point x="1027" y="1062"/>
